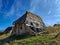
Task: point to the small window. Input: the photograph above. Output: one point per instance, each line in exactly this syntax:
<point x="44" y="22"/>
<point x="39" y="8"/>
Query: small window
<point x="32" y="28"/>
<point x="37" y="29"/>
<point x="31" y="23"/>
<point x="20" y="27"/>
<point x="37" y="25"/>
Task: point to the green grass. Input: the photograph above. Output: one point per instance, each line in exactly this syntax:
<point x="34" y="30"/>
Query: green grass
<point x="45" y="39"/>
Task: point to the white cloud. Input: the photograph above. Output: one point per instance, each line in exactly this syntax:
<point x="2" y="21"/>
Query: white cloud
<point x="56" y="1"/>
<point x="45" y="3"/>
<point x="57" y="12"/>
<point x="49" y="12"/>
<point x="14" y="10"/>
<point x="57" y="20"/>
<point x="48" y="23"/>
<point x="57" y="16"/>
<point x="1" y="7"/>
<point x="59" y="2"/>
<point x="11" y="12"/>
<point x="0" y="4"/>
<point x="58" y="5"/>
<point x="34" y="4"/>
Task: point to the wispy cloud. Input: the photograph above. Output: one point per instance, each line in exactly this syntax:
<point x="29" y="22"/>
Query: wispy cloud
<point x="57" y="1"/>
<point x="49" y="12"/>
<point x="0" y="4"/>
<point x="16" y="8"/>
<point x="58" y="5"/>
<point x="11" y="12"/>
<point x="35" y="4"/>
<point x="57" y="16"/>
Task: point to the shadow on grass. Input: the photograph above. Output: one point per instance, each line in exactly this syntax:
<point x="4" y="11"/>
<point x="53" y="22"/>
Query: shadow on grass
<point x="57" y="36"/>
<point x="14" y="37"/>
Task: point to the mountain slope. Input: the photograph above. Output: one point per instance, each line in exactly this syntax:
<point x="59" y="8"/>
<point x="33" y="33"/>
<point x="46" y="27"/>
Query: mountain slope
<point x="34" y="40"/>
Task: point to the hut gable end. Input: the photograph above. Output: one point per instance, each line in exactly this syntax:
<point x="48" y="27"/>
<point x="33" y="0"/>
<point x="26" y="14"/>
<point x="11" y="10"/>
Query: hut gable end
<point x="29" y="22"/>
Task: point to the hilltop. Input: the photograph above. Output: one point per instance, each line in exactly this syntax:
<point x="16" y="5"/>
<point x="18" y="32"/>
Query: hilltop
<point x="52" y="38"/>
<point x="30" y="31"/>
<point x="34" y="40"/>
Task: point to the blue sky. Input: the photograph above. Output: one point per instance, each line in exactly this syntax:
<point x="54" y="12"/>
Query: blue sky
<point x="10" y="10"/>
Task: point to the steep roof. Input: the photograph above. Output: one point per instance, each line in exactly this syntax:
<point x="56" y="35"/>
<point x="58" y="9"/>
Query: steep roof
<point x="8" y="29"/>
<point x="22" y="19"/>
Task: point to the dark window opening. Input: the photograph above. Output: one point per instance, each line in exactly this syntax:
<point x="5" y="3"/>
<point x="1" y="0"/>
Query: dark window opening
<point x="20" y="27"/>
<point x="37" y="25"/>
<point x="38" y="29"/>
<point x="32" y="28"/>
<point x="31" y="23"/>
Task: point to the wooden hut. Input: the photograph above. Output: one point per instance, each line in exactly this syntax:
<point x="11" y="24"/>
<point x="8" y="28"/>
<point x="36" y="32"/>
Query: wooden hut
<point x="28" y="23"/>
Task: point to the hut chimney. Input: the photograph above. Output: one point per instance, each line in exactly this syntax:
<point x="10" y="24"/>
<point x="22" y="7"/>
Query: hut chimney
<point x="27" y="12"/>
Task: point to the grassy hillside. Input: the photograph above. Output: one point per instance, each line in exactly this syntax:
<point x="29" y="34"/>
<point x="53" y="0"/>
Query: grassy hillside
<point x="35" y="40"/>
<point x="53" y="29"/>
<point x="52" y="38"/>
